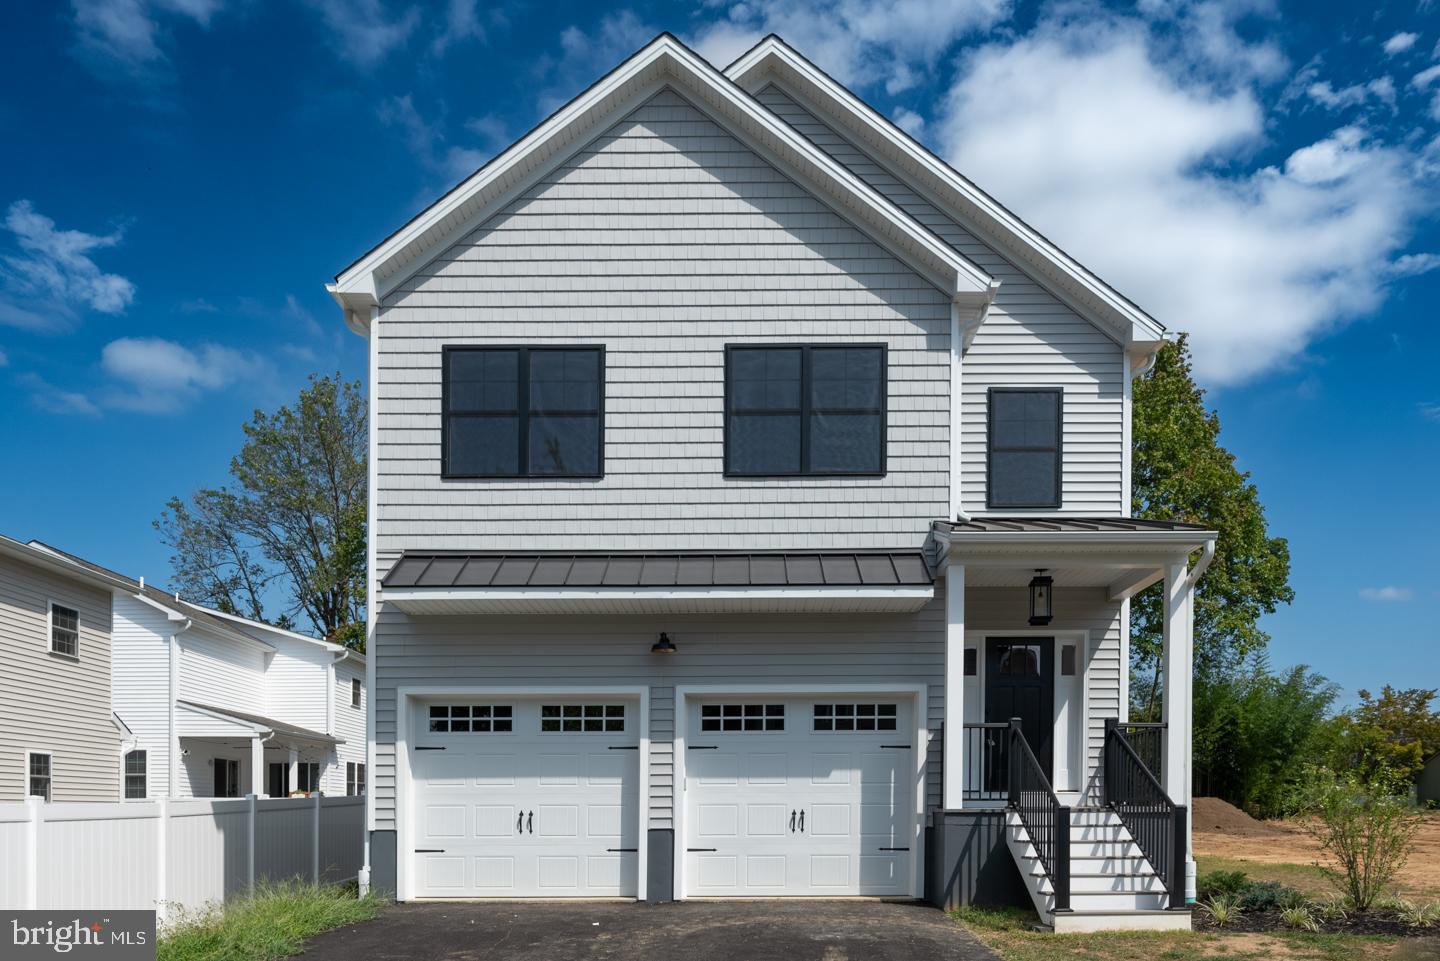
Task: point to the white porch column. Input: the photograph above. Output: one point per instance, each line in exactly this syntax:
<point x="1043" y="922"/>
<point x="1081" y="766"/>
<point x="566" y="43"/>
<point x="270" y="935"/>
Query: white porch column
<point x="954" y="753"/>
<point x="293" y="776"/>
<point x="257" y="766"/>
<point x="1179" y="652"/>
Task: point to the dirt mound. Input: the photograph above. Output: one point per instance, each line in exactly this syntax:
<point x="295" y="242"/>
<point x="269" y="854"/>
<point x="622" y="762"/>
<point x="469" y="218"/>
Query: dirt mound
<point x="1213" y="814"/>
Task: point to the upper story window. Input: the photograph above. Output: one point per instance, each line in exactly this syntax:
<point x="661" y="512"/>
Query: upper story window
<point x="135" y="766"/>
<point x="40" y="772"/>
<point x="64" y="630"/>
<point x="805" y="411"/>
<point x="354" y="692"/>
<point x="523" y="412"/>
<point x="1023" y="454"/>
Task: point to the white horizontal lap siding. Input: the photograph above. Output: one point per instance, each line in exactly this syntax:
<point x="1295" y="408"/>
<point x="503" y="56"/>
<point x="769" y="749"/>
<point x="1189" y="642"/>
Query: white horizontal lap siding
<point x="1030" y="338"/>
<point x="1076" y="609"/>
<point x="220" y="672"/>
<point x="295" y="683"/>
<point x="664" y="240"/>
<point x="864" y="649"/>
<point x="51" y="703"/>
<point x="142" y="683"/>
<point x="349" y="721"/>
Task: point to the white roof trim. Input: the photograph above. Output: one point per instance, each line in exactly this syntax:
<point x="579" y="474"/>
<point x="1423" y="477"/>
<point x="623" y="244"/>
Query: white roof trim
<point x="665" y="61"/>
<point x="549" y="600"/>
<point x="282" y="632"/>
<point x="773" y="60"/>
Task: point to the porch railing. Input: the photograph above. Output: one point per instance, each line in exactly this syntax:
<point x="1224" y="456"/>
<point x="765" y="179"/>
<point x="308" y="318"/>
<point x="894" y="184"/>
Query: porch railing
<point x="1046" y="820"/>
<point x="1148" y="742"/>
<point x="1156" y="823"/>
<point x="987" y="773"/>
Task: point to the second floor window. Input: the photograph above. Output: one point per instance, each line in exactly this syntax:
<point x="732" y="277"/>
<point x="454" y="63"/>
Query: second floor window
<point x="523" y="412"/>
<point x="135" y="765"/>
<point x="1024" y="447"/>
<point x="354" y="692"/>
<point x="796" y="411"/>
<point x="64" y="630"/>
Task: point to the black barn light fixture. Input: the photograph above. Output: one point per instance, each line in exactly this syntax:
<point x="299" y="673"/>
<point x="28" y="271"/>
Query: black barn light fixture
<point x="663" y="646"/>
<point x="1042" y="608"/>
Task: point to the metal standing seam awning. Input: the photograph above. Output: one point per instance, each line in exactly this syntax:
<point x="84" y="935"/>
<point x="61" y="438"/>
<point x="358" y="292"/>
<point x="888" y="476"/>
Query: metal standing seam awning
<point x="623" y="582"/>
<point x="1123" y="554"/>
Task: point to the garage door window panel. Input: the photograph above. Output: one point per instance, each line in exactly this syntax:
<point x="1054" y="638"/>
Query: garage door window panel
<point x="582" y="719"/>
<point x="735" y="718"/>
<point x="864" y="717"/>
<point x="471" y="718"/>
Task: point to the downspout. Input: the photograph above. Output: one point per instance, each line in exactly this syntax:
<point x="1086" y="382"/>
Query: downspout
<point x="174" y="696"/>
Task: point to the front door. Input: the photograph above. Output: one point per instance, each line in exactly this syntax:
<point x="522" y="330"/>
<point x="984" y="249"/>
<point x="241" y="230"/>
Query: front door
<point x="1020" y="682"/>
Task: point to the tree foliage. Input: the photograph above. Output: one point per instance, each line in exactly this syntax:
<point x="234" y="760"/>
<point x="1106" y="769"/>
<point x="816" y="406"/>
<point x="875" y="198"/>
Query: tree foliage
<point x="1390" y="736"/>
<point x="1256" y="733"/>
<point x="290" y="528"/>
<point x="1182" y="473"/>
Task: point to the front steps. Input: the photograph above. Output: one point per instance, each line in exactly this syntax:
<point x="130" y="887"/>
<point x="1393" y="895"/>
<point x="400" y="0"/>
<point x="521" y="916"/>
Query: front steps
<point x="1112" y="886"/>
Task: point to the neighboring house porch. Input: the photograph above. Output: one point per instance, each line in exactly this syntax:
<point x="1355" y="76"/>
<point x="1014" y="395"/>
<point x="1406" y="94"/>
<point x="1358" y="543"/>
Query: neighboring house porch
<point x="227" y="753"/>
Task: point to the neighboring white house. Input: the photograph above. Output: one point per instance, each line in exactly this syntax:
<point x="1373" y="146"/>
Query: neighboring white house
<point x="738" y="472"/>
<point x="205" y="704"/>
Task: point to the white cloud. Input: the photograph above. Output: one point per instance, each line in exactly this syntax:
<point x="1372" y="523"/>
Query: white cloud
<point x="1080" y="129"/>
<point x="1355" y="95"/>
<point x="53" y="273"/>
<point x="154" y="375"/>
<point x="427" y="142"/>
<point x="586" y="56"/>
<point x="463" y="21"/>
<point x="4" y="359"/>
<point x="1413" y="265"/>
<point x="1400" y="43"/>
<point x="1430" y="411"/>
<point x="56" y="400"/>
<point x="909" y="121"/>
<point x="127" y="33"/>
<point x="1388" y="594"/>
<point x="364" y="32"/>
<point x="860" y="42"/>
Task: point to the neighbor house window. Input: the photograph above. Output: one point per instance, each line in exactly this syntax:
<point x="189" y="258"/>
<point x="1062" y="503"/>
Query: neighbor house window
<point x="796" y="411"/>
<point x="1024" y="448"/>
<point x="354" y="778"/>
<point x="227" y="777"/>
<point x="523" y="412"/>
<point x="354" y="692"/>
<point x="307" y="776"/>
<point x="135" y="775"/>
<point x="39" y="765"/>
<point x="64" y="630"/>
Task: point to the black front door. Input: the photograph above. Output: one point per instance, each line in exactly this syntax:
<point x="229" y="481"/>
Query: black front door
<point x="279" y="779"/>
<point x="1020" y="682"/>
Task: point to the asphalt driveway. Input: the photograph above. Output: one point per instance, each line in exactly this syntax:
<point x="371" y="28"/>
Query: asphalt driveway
<point x="688" y="931"/>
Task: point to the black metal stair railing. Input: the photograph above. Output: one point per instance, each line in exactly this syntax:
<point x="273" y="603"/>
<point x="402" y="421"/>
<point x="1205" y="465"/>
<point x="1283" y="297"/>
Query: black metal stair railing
<point x="1046" y="820"/>
<point x="986" y="762"/>
<point x="1136" y="795"/>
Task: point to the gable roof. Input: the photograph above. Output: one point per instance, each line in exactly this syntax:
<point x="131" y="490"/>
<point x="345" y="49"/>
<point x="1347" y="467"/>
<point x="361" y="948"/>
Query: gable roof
<point x="665" y="61"/>
<point x="773" y="60"/>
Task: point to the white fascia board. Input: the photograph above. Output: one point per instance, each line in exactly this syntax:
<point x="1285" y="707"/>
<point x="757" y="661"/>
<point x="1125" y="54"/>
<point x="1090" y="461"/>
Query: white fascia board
<point x="271" y="628"/>
<point x="40" y="556"/>
<point x="663" y="62"/>
<point x="771" y="59"/>
<point x="243" y="725"/>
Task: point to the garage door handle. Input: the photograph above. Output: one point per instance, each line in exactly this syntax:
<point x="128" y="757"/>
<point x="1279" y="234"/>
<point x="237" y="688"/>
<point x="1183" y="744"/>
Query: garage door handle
<point x="802" y="820"/>
<point x="530" y="822"/>
<point x="520" y="822"/>
<point x="792" y="822"/>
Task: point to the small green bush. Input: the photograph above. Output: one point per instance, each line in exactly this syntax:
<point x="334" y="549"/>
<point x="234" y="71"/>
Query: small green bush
<point x="1418" y="915"/>
<point x="1222" y="910"/>
<point x="1262" y="896"/>
<point x="1299" y="918"/>
<point x="1224" y="884"/>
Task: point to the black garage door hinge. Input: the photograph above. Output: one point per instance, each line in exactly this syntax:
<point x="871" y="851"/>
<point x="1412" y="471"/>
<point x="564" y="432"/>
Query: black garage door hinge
<point x="703" y="747"/>
<point x="623" y="850"/>
<point x="894" y="849"/>
<point x="624" y="747"/>
<point x="429" y="850"/>
<point x="701" y="850"/>
<point x="426" y="747"/>
<point x="896" y="747"/>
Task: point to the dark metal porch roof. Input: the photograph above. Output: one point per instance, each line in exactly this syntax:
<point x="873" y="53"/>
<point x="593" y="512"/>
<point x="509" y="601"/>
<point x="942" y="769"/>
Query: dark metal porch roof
<point x="1089" y="525"/>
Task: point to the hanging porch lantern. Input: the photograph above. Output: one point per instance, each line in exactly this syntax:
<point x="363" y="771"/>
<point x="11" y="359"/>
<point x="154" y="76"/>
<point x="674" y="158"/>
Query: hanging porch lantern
<point x="1041" y="599"/>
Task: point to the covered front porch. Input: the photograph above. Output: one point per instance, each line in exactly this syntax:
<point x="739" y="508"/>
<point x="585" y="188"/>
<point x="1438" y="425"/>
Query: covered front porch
<point x="229" y="753"/>
<point x="1036" y="689"/>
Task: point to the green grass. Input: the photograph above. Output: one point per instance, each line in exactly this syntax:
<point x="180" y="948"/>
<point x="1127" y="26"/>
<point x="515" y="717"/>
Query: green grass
<point x="1306" y="878"/>
<point x="1009" y="933"/>
<point x="275" y="923"/>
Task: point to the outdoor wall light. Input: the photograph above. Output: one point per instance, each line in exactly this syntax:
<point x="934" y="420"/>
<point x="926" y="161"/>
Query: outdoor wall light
<point x="1041" y="606"/>
<point x="663" y="646"/>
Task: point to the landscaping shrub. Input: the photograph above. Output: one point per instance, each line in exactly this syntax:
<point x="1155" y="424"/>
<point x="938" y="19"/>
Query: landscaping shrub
<point x="1223" y="884"/>
<point x="1260" y="896"/>
<point x="1222" y="910"/>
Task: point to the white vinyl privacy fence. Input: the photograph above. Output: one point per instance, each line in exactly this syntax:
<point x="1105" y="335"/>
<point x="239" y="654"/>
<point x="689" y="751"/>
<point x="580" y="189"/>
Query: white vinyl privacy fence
<point x="165" y="854"/>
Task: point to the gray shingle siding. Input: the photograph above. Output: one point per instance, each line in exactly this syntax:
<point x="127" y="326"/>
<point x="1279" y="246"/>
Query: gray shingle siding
<point x="1029" y="338"/>
<point x="664" y="240"/>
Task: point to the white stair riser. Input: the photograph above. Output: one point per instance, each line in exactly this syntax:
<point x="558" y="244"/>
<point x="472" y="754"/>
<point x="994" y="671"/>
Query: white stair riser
<point x="1114" y="882"/>
<point x="1089" y="901"/>
<point x="1115" y="857"/>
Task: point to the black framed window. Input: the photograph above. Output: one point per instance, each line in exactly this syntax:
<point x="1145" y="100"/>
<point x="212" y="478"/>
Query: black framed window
<point x="806" y="410"/>
<point x="523" y="412"/>
<point x="135" y="775"/>
<point x="1023" y="450"/>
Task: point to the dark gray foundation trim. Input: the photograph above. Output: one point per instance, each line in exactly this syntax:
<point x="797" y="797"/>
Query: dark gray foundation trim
<point x="383" y="874"/>
<point x="968" y="862"/>
<point x="660" y="866"/>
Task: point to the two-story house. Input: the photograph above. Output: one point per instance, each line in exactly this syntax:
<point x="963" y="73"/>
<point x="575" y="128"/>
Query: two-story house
<point x="126" y="692"/>
<point x="750" y="517"/>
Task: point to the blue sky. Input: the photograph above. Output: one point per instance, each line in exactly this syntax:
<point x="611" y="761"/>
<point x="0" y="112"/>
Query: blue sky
<point x="180" y="178"/>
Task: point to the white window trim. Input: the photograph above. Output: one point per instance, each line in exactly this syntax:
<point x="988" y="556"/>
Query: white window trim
<point x="357" y="693"/>
<point x="30" y="752"/>
<point x="406" y="698"/>
<point x="50" y="605"/>
<point x="917" y="693"/>
<point x="124" y="752"/>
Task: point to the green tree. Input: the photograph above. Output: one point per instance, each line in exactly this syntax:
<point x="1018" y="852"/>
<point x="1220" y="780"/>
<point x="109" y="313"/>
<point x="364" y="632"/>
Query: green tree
<point x="1182" y="473"/>
<point x="1389" y="737"/>
<point x="291" y="527"/>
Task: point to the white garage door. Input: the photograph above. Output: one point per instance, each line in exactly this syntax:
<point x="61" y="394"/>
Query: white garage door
<point x="525" y="798"/>
<point x="811" y="796"/>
